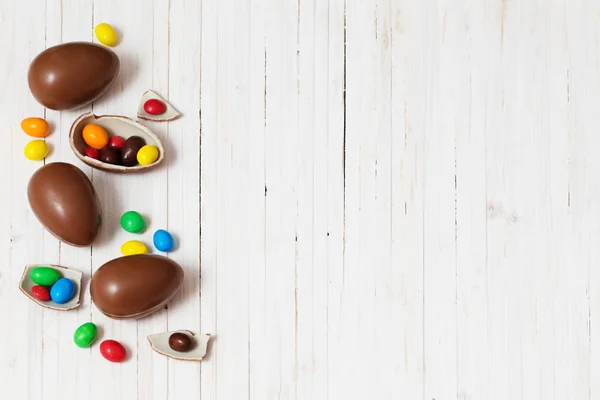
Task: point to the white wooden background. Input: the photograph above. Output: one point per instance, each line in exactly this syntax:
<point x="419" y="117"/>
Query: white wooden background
<point x="384" y="199"/>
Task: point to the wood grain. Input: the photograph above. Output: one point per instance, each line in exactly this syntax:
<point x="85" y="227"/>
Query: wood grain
<point x="371" y="199"/>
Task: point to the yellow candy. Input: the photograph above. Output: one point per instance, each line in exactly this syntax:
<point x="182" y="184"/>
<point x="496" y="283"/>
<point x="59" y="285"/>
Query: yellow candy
<point x="36" y="150"/>
<point x="147" y="155"/>
<point x="133" y="247"/>
<point x="106" y="34"/>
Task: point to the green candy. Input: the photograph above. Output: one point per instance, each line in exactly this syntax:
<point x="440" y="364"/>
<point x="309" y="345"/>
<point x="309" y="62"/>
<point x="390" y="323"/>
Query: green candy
<point x="133" y="222"/>
<point x="85" y="335"/>
<point x="44" y="276"/>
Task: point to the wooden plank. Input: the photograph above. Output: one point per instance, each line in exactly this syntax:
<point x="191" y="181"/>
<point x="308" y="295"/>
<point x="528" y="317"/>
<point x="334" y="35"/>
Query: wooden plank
<point x="183" y="183"/>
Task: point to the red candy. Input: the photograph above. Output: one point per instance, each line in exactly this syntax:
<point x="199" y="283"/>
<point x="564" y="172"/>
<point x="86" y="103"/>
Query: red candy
<point x="116" y="142"/>
<point x="41" y="293"/>
<point x="92" y="153"/>
<point x="113" y="351"/>
<point x="154" y="107"/>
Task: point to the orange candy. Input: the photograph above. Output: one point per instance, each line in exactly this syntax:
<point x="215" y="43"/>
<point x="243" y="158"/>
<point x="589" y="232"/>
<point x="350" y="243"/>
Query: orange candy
<point x="95" y="136"/>
<point x="36" y="127"/>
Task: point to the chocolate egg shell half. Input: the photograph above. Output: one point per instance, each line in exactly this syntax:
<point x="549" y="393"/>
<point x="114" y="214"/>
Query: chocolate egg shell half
<point x="26" y="284"/>
<point x="72" y="75"/>
<point x="135" y="286"/>
<point x="64" y="200"/>
<point x="115" y="126"/>
<point x="160" y="343"/>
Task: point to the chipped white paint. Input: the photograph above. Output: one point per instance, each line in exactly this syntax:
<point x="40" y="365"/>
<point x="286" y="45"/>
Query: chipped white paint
<point x="395" y="199"/>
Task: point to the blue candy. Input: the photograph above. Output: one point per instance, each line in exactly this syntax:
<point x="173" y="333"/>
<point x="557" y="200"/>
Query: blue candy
<point x="163" y="241"/>
<point x="62" y="291"/>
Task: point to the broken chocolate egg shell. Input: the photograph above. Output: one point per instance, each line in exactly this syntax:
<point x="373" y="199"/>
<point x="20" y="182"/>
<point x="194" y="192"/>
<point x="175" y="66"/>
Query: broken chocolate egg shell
<point x="169" y="115"/>
<point x="160" y="343"/>
<point x="26" y="284"/>
<point x="114" y="125"/>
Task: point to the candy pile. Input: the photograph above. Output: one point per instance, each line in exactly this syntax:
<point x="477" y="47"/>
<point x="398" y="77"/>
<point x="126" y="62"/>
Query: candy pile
<point x="116" y="150"/>
<point x="51" y="285"/>
<point x="112" y="350"/>
<point x="36" y="127"/>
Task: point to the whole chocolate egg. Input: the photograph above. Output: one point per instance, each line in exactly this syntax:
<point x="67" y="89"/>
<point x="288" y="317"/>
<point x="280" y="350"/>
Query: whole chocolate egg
<point x="72" y="75"/>
<point x="135" y="286"/>
<point x="63" y="199"/>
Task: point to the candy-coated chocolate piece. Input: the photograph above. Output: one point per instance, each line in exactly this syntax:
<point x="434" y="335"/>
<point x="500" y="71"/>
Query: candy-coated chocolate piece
<point x="117" y="142"/>
<point x="130" y="150"/>
<point x="92" y="153"/>
<point x="62" y="291"/>
<point x="106" y="34"/>
<point x="41" y="293"/>
<point x="113" y="351"/>
<point x="110" y="155"/>
<point x="147" y="155"/>
<point x="135" y="286"/>
<point x="36" y="150"/>
<point x="95" y="136"/>
<point x="133" y="247"/>
<point x="133" y="222"/>
<point x="180" y="342"/>
<point x="65" y="202"/>
<point x="44" y="276"/>
<point x="154" y="107"/>
<point x="72" y="75"/>
<point x="36" y="127"/>
<point x="163" y="241"/>
<point x="85" y="335"/>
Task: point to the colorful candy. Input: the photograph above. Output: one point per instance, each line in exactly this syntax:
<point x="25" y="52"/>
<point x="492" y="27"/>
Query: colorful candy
<point x="154" y="107"/>
<point x="95" y="136"/>
<point x="106" y="34"/>
<point x="163" y="241"/>
<point x="147" y="155"/>
<point x="92" y="153"/>
<point x="133" y="247"/>
<point x="110" y="155"/>
<point x="116" y="142"/>
<point x="133" y="222"/>
<point x="41" y="293"/>
<point x="85" y="335"/>
<point x="62" y="291"/>
<point x="36" y="127"/>
<point x="44" y="276"/>
<point x="113" y="351"/>
<point x="130" y="150"/>
<point x="181" y="342"/>
<point x="36" y="150"/>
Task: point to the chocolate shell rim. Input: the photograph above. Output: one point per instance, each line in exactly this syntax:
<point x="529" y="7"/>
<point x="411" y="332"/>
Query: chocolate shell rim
<point x="202" y="340"/>
<point x="50" y="304"/>
<point x="111" y="167"/>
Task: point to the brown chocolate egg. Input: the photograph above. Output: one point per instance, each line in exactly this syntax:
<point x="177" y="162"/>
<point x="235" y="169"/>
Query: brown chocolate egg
<point x="135" y="286"/>
<point x="181" y="342"/>
<point x="72" y="75"/>
<point x="63" y="199"/>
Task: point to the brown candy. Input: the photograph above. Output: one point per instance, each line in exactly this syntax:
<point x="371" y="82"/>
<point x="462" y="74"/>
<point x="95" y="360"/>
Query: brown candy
<point x="180" y="342"/>
<point x="110" y="155"/>
<point x="135" y="286"/>
<point x="72" y="75"/>
<point x="65" y="202"/>
<point x="130" y="150"/>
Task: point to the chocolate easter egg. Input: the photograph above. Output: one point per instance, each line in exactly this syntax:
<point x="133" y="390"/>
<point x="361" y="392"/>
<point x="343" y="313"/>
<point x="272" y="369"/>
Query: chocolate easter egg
<point x="72" y="75"/>
<point x="135" y="286"/>
<point x="63" y="199"/>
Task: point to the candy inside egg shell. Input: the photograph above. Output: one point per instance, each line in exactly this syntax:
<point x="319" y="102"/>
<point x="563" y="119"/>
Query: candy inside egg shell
<point x="160" y="343"/>
<point x="169" y="114"/>
<point x="26" y="285"/>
